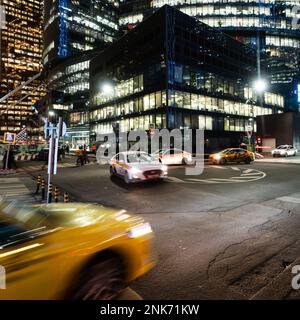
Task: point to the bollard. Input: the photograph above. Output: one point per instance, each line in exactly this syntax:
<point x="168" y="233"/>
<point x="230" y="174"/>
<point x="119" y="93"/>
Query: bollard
<point x="50" y="192"/>
<point x="56" y="194"/>
<point x="38" y="184"/>
<point x="43" y="188"/>
<point x="66" y="197"/>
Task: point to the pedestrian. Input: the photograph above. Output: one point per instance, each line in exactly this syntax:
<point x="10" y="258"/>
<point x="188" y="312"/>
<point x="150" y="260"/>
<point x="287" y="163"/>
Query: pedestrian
<point x="11" y="160"/>
<point x="63" y="151"/>
<point x="79" y="154"/>
<point x="4" y="160"/>
<point x="85" y="156"/>
<point x="67" y="149"/>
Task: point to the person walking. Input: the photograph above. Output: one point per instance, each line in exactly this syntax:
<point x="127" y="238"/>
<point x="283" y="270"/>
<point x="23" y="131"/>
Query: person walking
<point x="79" y="154"/>
<point x="4" y="160"/>
<point x="11" y="160"/>
<point x="85" y="156"/>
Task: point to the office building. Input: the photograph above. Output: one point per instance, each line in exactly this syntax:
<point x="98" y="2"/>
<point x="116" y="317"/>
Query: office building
<point x="21" y="59"/>
<point x="173" y="71"/>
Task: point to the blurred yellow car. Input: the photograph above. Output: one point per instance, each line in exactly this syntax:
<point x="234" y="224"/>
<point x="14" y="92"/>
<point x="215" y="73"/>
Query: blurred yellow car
<point x="71" y="251"/>
<point x="232" y="155"/>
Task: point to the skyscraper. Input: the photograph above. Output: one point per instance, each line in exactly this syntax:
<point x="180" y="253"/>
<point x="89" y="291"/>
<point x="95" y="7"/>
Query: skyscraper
<point x="74" y="30"/>
<point x="21" y="59"/>
<point x="270" y="21"/>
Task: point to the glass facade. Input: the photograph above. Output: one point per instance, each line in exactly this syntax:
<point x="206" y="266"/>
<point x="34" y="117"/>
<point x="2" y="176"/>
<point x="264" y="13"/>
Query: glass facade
<point x="195" y="77"/>
<point x="270" y="21"/>
<point x="74" y="31"/>
<point x="21" y="56"/>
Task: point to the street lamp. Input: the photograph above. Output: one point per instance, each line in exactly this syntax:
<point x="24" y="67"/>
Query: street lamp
<point x="260" y="85"/>
<point x="107" y="88"/>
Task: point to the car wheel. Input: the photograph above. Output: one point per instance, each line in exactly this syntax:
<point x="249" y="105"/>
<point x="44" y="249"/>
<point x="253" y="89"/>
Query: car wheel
<point x="247" y="160"/>
<point x="222" y="161"/>
<point x="102" y="281"/>
<point x="186" y="162"/>
<point x="126" y="178"/>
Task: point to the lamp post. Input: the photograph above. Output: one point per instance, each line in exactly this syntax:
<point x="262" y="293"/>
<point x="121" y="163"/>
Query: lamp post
<point x="259" y="85"/>
<point x="109" y="90"/>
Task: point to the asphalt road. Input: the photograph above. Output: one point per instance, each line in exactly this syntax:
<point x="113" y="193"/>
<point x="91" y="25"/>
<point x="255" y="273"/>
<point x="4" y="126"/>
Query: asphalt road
<point x="228" y="233"/>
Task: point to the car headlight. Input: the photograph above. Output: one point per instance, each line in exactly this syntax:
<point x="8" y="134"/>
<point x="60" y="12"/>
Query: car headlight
<point x="140" y="230"/>
<point x="164" y="168"/>
<point x="135" y="170"/>
<point x="217" y="157"/>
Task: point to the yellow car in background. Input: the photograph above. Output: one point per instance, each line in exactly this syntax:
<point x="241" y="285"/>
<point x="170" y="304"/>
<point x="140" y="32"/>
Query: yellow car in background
<point x="232" y="155"/>
<point x="71" y="251"/>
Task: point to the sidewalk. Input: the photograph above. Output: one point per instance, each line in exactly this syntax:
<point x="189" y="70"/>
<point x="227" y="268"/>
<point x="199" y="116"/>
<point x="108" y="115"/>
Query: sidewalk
<point x="270" y="159"/>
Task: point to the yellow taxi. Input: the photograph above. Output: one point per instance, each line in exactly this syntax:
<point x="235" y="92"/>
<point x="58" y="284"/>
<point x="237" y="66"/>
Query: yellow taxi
<point x="71" y="251"/>
<point x="232" y="155"/>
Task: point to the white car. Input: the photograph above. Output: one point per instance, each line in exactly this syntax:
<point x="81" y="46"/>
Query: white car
<point x="173" y="156"/>
<point x="135" y="166"/>
<point x="284" y="151"/>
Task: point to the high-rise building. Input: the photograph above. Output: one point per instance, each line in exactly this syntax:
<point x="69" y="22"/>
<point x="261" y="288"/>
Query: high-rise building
<point x="172" y="71"/>
<point x="21" y="59"/>
<point x="273" y="22"/>
<point x="74" y="31"/>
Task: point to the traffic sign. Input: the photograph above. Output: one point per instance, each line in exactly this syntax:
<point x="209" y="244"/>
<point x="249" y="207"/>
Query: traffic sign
<point x="9" y="137"/>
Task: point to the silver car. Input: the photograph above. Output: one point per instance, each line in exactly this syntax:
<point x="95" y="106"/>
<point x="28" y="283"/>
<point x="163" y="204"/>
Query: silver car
<point x="173" y="156"/>
<point x="284" y="151"/>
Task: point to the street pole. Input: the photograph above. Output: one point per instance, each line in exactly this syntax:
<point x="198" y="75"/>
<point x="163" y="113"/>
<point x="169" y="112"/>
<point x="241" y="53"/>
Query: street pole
<point x="54" y="132"/>
<point x="7" y="156"/>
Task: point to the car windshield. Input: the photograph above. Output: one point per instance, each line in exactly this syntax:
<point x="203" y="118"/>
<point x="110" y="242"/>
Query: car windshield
<point x="139" y="157"/>
<point x="282" y="147"/>
<point x="225" y="151"/>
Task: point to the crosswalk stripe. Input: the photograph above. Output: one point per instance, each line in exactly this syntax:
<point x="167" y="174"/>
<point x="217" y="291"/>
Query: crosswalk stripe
<point x="289" y="199"/>
<point x="12" y="189"/>
<point x="235" y="168"/>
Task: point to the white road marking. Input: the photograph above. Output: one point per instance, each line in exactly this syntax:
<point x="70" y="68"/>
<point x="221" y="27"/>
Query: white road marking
<point x="289" y="199"/>
<point x="203" y="180"/>
<point x="235" y="168"/>
<point x="218" y="167"/>
<point x="250" y="174"/>
<point x="174" y="179"/>
<point x="13" y="189"/>
<point x="248" y="171"/>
